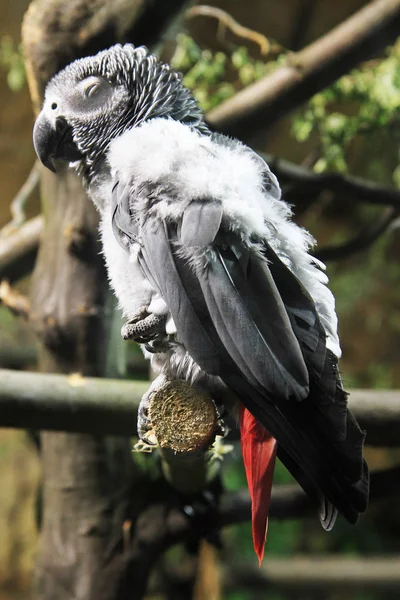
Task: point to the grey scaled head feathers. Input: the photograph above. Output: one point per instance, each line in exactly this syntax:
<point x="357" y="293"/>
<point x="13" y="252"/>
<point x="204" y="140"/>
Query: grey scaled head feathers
<point x="95" y="99"/>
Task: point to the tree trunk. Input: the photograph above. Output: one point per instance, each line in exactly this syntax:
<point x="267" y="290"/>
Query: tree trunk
<point x="85" y="478"/>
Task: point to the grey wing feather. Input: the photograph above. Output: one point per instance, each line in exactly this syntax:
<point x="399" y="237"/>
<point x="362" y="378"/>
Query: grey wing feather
<point x="124" y="224"/>
<point x="158" y="258"/>
<point x="263" y="337"/>
<point x="200" y="223"/>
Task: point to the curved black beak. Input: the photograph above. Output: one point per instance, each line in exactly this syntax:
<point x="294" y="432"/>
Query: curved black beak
<point x="54" y="142"/>
<point x="45" y="139"/>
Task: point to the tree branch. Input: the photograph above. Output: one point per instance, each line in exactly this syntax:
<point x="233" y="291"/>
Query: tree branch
<point x="305" y="73"/>
<point x="378" y="412"/>
<point x="360" y="242"/>
<point x="296" y="180"/>
<point x="318" y="573"/>
<point x="291" y="502"/>
<point x="184" y="424"/>
<point x="69" y="403"/>
<point x="18" y="203"/>
<point x="287" y="502"/>
<point x="306" y="181"/>
<point x="16" y="302"/>
<point x="159" y="527"/>
<point x="108" y="406"/>
<point x="18" y="250"/>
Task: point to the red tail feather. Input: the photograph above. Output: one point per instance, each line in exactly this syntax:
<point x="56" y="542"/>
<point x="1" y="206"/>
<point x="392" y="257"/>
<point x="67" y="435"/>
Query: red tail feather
<point x="259" y="452"/>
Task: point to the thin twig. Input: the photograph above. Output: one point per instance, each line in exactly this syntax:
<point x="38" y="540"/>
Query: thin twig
<point x="18" y="203"/>
<point x="305" y="73"/>
<point x="228" y="21"/>
<point x="14" y="300"/>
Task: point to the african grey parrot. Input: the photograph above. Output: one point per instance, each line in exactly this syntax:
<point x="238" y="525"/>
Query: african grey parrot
<point x="214" y="278"/>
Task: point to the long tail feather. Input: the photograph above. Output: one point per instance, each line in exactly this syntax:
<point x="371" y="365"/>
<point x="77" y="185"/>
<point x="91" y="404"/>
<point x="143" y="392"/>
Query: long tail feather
<point x="259" y="452"/>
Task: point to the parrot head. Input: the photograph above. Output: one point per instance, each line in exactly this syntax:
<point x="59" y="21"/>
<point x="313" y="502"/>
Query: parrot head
<point x="95" y="99"/>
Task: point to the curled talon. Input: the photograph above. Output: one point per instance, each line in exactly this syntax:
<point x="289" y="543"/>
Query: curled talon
<point x="141" y="314"/>
<point x="158" y="345"/>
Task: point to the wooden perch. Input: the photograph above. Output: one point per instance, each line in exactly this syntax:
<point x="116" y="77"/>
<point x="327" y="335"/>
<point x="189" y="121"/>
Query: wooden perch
<point x="360" y="37"/>
<point x="343" y="576"/>
<point x="185" y="423"/>
<point x="69" y="403"/>
<point x="316" y="573"/>
<point x="184" y="418"/>
<point x="378" y="412"/>
<point x="109" y="406"/>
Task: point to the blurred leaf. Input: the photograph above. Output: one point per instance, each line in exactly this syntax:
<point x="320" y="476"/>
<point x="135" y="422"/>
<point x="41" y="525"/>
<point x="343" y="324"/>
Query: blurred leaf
<point x="11" y="59"/>
<point x="373" y="92"/>
<point x="216" y="76"/>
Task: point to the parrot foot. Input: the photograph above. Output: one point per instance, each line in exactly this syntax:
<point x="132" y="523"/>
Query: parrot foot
<point x="144" y="327"/>
<point x="143" y="447"/>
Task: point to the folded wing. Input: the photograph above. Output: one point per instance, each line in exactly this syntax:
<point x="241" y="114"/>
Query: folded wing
<point x="243" y="315"/>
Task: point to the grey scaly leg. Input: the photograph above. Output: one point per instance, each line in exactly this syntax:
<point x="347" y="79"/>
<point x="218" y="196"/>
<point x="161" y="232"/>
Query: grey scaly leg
<point x="143" y="327"/>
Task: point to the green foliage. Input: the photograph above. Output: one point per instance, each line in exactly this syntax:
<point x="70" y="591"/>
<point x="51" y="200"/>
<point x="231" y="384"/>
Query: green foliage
<point x="214" y="76"/>
<point x="365" y="101"/>
<point x="12" y="60"/>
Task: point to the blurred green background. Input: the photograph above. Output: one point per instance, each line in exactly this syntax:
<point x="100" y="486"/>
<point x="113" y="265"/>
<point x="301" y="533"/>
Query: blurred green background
<point x="351" y="127"/>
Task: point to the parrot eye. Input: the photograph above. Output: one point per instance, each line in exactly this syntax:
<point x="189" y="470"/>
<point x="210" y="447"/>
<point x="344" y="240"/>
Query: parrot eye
<point x="91" y="89"/>
<point x="93" y="85"/>
<point x="91" y="94"/>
